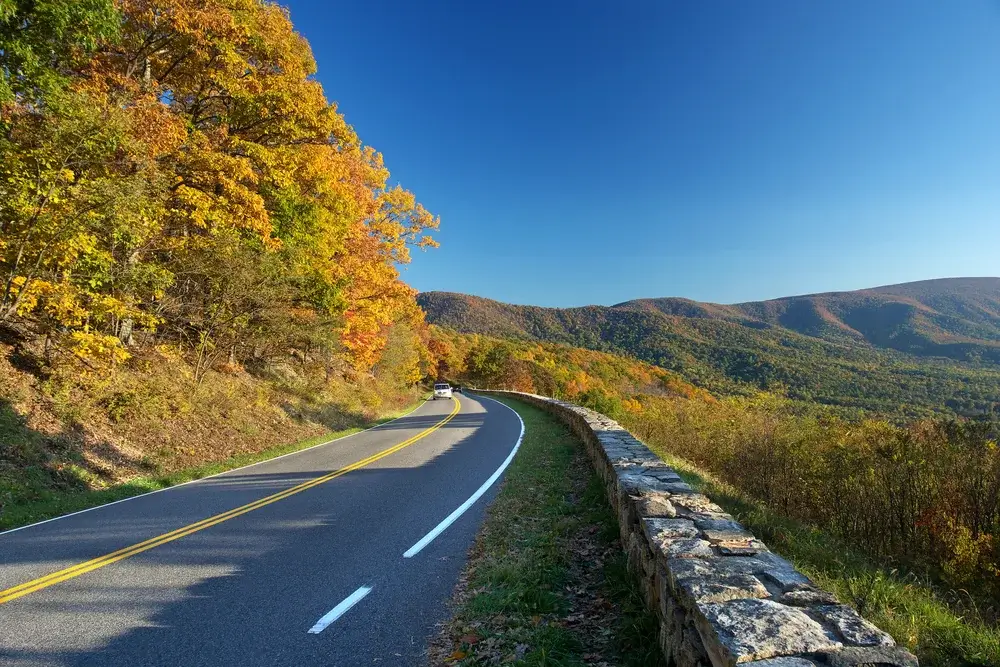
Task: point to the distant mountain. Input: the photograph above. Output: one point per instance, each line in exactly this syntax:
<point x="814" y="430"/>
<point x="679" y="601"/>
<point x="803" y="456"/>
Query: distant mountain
<point x="927" y="337"/>
<point x="958" y="318"/>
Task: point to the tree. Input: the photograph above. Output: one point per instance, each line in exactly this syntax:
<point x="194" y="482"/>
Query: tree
<point x="41" y="41"/>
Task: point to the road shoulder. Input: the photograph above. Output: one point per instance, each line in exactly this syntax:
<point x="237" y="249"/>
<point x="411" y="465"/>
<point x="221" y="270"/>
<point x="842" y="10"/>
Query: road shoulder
<point x="546" y="580"/>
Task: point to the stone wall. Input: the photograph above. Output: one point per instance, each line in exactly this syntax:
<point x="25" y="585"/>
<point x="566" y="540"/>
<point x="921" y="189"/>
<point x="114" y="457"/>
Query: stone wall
<point x="721" y="596"/>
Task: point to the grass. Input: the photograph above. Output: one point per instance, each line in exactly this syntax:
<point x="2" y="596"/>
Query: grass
<point x="47" y="503"/>
<point x="547" y="583"/>
<point x="909" y="608"/>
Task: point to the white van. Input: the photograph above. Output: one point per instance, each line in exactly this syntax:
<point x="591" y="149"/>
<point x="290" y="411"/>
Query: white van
<point x="442" y="390"/>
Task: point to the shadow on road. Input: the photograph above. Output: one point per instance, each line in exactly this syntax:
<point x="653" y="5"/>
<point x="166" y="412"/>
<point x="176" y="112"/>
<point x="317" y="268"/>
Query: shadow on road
<point x="245" y="592"/>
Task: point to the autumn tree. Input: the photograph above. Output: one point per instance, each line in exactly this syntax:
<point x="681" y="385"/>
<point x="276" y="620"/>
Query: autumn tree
<point x="43" y="41"/>
<point x="191" y="181"/>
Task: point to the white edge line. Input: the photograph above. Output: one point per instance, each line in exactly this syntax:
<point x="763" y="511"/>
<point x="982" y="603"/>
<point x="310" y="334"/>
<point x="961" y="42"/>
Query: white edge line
<point x="218" y="474"/>
<point x="450" y="519"/>
<point x="340" y="610"/>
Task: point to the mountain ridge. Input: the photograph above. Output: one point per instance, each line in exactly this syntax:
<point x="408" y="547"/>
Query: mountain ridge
<point x="947" y="329"/>
<point x="956" y="312"/>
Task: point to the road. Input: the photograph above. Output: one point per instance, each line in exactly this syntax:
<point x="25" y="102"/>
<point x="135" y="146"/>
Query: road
<point x="294" y="561"/>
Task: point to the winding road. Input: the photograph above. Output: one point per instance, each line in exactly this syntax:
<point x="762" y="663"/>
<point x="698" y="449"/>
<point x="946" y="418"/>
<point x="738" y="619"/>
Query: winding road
<point x="342" y="554"/>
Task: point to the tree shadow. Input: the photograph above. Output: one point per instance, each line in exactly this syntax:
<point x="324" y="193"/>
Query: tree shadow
<point x="246" y="591"/>
<point x="20" y="356"/>
<point x="54" y="467"/>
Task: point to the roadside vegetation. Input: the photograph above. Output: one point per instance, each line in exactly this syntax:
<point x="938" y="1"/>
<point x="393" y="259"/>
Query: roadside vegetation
<point x="925" y="496"/>
<point x="903" y="519"/>
<point x="546" y="583"/>
<point x="941" y="628"/>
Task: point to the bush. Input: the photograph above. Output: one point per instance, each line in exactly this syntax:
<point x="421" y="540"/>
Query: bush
<point x="925" y="495"/>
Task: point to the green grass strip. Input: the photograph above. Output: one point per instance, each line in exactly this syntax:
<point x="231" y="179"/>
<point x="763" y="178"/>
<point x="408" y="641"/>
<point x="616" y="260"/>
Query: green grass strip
<point x="529" y="585"/>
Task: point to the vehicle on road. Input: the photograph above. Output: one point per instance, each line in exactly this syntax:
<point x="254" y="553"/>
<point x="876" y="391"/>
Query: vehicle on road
<point x="442" y="390"/>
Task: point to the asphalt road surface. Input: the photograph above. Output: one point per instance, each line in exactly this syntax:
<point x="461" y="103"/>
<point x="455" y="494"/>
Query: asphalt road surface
<point x="343" y="554"/>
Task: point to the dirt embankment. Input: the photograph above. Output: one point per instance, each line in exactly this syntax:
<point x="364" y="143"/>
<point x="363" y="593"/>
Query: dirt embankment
<point x="67" y="431"/>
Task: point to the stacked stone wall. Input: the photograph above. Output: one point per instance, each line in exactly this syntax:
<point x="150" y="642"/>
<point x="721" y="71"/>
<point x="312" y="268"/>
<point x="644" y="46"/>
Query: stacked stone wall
<point x="721" y="596"/>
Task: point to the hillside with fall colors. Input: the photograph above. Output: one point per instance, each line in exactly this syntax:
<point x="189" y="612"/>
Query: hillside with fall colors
<point x="198" y="255"/>
<point x="912" y="504"/>
<point x="909" y="350"/>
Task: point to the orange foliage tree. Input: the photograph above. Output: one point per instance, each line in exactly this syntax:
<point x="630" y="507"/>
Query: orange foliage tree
<point x="190" y="181"/>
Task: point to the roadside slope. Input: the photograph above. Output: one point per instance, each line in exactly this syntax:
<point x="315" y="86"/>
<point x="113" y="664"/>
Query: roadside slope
<point x="71" y="442"/>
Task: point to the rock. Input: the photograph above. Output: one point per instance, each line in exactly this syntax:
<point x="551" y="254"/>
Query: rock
<point x="723" y="589"/>
<point x="857" y="656"/>
<point x="685" y="548"/>
<point x="723" y="530"/>
<point x="747" y="548"/>
<point x="781" y="662"/>
<point x="807" y="597"/>
<point x="663" y="474"/>
<point x="658" y="530"/>
<point x="851" y="626"/>
<point x="766" y="564"/>
<point x="745" y="630"/>
<point x="783" y="573"/>
<point x="637" y="484"/>
<point x="697" y="506"/>
<point x="655" y="505"/>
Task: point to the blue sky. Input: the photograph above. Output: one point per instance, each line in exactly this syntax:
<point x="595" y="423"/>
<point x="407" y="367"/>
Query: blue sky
<point x="590" y="151"/>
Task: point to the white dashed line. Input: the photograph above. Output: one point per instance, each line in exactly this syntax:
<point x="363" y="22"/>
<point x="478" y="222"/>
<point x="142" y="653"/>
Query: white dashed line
<point x="340" y="610"/>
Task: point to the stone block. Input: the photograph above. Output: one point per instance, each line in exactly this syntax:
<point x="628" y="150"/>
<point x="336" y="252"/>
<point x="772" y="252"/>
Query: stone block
<point x="722" y="589"/>
<point x="685" y="547"/>
<point x="638" y="484"/>
<point x="781" y="662"/>
<point x="747" y="630"/>
<point x="655" y="504"/>
<point x="747" y="548"/>
<point x="663" y="593"/>
<point x="678" y="488"/>
<point x="723" y="530"/>
<point x="867" y="656"/>
<point x="666" y="641"/>
<point x="807" y="597"/>
<point x="782" y="572"/>
<point x="663" y="474"/>
<point x="697" y="506"/>
<point x="773" y="568"/>
<point x="690" y="650"/>
<point x="849" y="625"/>
<point x="658" y="529"/>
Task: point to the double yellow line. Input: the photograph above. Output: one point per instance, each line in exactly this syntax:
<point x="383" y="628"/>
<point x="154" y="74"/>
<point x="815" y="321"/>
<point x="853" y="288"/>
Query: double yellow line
<point x="89" y="566"/>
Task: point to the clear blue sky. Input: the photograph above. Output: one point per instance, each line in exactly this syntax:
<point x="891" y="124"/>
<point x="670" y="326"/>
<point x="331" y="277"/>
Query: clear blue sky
<point x="593" y="151"/>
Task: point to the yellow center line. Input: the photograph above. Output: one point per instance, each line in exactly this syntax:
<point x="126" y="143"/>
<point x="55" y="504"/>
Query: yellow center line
<point x="27" y="587"/>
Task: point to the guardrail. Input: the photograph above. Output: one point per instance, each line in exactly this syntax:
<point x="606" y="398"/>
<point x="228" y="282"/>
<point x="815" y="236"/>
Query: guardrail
<point x="721" y="596"/>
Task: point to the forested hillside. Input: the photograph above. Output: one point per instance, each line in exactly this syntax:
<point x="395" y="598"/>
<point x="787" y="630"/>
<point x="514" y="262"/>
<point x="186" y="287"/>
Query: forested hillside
<point x="197" y="253"/>
<point x="841" y="349"/>
<point x="923" y="496"/>
<point x="552" y="369"/>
